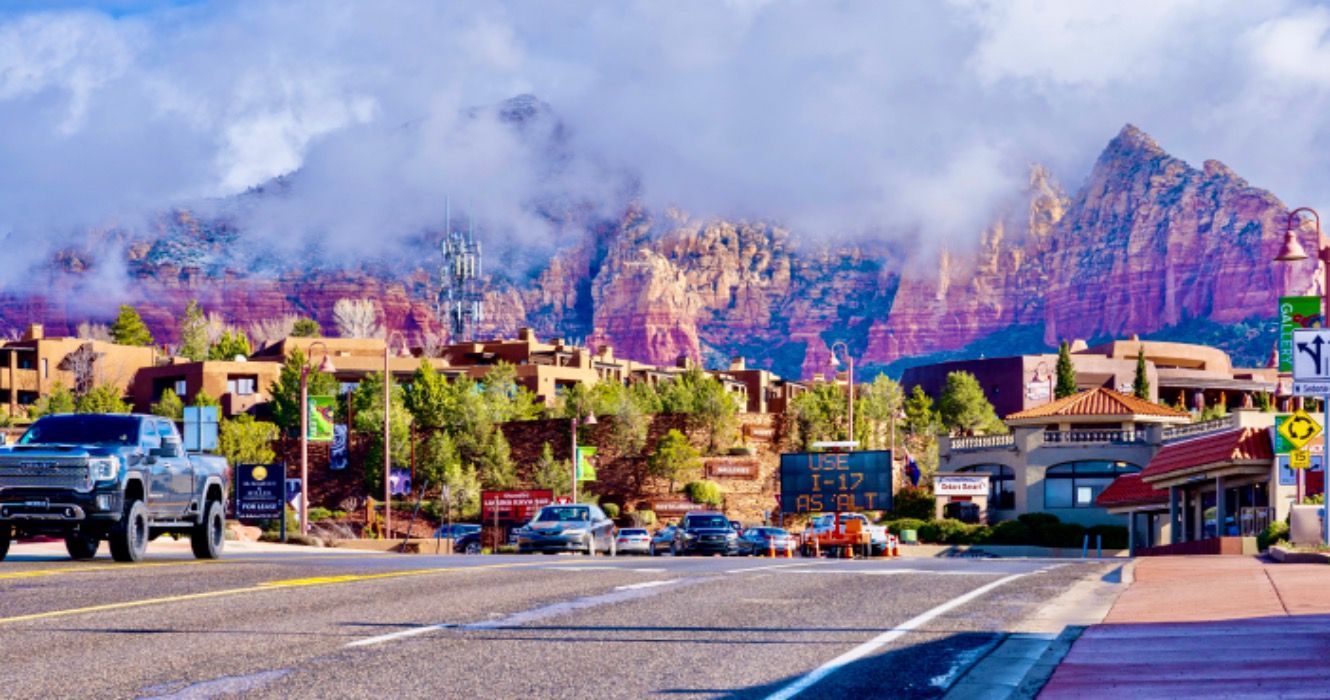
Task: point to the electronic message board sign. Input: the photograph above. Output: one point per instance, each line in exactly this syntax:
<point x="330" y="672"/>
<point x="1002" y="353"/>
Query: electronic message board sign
<point x="826" y="482"/>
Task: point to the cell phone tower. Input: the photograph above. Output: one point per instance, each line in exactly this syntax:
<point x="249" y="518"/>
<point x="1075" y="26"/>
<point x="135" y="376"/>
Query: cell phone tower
<point x="461" y="305"/>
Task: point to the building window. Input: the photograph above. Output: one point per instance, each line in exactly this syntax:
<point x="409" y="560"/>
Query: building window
<point x="1001" y="484"/>
<point x="1078" y="484"/>
<point x="46" y="368"/>
<point x="242" y="385"/>
<point x="180" y="388"/>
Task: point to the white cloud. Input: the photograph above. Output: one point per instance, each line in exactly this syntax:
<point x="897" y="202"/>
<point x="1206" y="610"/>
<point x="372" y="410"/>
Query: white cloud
<point x="838" y="119"/>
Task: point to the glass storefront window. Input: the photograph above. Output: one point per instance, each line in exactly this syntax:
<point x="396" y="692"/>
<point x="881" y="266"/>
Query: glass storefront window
<point x="1001" y="485"/>
<point x="1078" y="484"/>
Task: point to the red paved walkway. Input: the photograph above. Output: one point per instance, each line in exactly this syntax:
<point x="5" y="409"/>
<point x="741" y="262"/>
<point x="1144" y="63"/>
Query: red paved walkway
<point x="1206" y="626"/>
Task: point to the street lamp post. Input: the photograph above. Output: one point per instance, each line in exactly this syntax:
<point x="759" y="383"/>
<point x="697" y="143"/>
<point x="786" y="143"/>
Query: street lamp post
<point x="836" y="363"/>
<point x="1292" y="251"/>
<point x="326" y="367"/>
<point x="387" y="434"/>
<point x="577" y="420"/>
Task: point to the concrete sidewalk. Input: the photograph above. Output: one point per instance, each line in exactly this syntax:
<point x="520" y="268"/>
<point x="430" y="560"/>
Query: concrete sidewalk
<point x="1207" y="626"/>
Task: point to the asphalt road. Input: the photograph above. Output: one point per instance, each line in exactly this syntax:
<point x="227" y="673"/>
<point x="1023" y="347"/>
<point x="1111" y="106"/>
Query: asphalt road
<point x="306" y="623"/>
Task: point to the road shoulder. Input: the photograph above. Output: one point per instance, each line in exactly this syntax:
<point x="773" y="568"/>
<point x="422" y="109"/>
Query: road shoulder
<point x="1025" y="660"/>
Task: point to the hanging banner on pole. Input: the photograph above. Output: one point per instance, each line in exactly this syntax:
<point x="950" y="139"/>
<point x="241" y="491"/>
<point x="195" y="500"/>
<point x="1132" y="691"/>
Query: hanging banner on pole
<point x="586" y="471"/>
<point x="1295" y="313"/>
<point x="322" y="410"/>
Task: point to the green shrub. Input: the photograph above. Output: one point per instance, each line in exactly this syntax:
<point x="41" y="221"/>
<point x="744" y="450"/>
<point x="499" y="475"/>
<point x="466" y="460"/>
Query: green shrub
<point x="705" y="492"/>
<point x="1035" y="521"/>
<point x="318" y="513"/>
<point x="977" y="534"/>
<point x="611" y="510"/>
<point x="895" y="526"/>
<point x="1011" y="532"/>
<point x="1271" y="535"/>
<point x="1114" y="536"/>
<point x="1063" y="535"/>
<point x="644" y="518"/>
<point x="913" y="502"/>
<point x="1041" y="525"/>
<point x="945" y="531"/>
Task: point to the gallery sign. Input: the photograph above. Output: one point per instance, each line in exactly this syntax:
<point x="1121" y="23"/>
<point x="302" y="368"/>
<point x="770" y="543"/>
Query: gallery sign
<point x="1295" y="313"/>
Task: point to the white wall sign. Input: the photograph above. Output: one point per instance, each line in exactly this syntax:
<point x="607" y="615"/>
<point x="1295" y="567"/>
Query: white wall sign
<point x="954" y="485"/>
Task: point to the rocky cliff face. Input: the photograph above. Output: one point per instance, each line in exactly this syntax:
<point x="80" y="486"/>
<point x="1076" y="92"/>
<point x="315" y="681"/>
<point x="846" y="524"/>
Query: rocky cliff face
<point x="1147" y="244"/>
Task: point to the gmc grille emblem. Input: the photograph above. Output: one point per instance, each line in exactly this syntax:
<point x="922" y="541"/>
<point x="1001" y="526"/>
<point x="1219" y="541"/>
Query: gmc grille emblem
<point x="35" y="467"/>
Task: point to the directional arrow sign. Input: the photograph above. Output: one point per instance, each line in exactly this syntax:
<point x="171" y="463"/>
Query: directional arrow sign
<point x="1311" y="355"/>
<point x="1300" y="429"/>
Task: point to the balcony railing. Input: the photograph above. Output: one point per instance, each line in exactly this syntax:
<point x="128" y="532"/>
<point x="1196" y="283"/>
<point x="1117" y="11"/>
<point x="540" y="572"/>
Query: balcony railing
<point x="1180" y="432"/>
<point x="983" y="442"/>
<point x="1093" y="437"/>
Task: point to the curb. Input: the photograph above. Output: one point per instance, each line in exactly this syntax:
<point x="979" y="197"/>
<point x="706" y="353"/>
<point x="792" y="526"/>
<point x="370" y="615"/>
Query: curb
<point x="1023" y="662"/>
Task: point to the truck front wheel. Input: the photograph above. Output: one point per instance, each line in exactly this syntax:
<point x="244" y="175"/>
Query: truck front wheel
<point x="207" y="537"/>
<point x="129" y="537"/>
<point x="81" y="547"/>
<point x="5" y="534"/>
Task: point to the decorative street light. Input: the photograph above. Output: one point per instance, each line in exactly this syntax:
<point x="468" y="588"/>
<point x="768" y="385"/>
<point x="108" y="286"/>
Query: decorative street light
<point x="836" y="363"/>
<point x="326" y="367"/>
<point x="1292" y="251"/>
<point x="577" y="420"/>
<point x="387" y="434"/>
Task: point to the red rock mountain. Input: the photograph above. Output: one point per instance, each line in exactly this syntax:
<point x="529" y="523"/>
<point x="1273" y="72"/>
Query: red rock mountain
<point x="1148" y="245"/>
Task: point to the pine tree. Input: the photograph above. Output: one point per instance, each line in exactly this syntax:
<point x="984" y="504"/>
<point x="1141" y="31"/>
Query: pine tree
<point x="1141" y="387"/>
<point x="193" y="332"/>
<point x="230" y="346"/>
<point x="169" y="406"/>
<point x="1066" y="385"/>
<point x="306" y="328"/>
<point x="964" y="408"/>
<point x="129" y="328"/>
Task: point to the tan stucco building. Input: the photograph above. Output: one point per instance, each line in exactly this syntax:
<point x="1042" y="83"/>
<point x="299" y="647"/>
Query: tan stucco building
<point x="31" y="366"/>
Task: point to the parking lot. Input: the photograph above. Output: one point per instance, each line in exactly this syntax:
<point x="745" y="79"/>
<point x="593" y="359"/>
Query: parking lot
<point x="270" y="621"/>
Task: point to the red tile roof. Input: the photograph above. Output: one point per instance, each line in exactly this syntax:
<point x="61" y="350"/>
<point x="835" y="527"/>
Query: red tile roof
<point x="1129" y="490"/>
<point x="1099" y="402"/>
<point x="1246" y="444"/>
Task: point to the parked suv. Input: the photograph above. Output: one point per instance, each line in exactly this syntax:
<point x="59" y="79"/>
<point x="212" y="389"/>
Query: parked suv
<point x="705" y="532"/>
<point x="121" y="478"/>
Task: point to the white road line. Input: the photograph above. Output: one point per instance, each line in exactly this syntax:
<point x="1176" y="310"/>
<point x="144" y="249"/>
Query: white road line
<point x="640" y="570"/>
<point x="888" y="572"/>
<point x="370" y="641"/>
<point x="645" y="584"/>
<point x="770" y="566"/>
<point x="883" y="639"/>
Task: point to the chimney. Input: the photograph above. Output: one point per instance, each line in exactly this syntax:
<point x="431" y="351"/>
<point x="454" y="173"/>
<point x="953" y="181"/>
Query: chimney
<point x="737" y="364"/>
<point x="35" y="332"/>
<point x="525" y="335"/>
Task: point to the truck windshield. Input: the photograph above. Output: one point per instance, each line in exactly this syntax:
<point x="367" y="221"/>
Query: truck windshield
<point x="700" y="521"/>
<point x="83" y="430"/>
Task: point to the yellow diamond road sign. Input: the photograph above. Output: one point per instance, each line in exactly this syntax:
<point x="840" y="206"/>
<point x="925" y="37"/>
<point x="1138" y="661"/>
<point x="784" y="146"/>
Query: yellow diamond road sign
<point x="1300" y="429"/>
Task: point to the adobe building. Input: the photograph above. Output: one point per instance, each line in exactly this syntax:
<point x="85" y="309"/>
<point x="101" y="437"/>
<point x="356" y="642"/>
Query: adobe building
<point x="32" y="366"/>
<point x="239" y="385"/>
<point x="1197" y="374"/>
<point x="1061" y="456"/>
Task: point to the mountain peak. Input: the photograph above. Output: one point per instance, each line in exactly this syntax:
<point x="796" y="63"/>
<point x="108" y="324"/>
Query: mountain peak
<point x="1131" y="140"/>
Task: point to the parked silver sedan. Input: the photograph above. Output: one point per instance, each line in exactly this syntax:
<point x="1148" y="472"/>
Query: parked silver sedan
<point x="633" y="540"/>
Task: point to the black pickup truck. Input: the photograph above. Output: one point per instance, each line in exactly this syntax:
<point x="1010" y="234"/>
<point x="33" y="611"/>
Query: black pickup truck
<point x="116" y="477"/>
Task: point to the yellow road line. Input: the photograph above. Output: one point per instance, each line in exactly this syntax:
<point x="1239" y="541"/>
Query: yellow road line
<point x="268" y="586"/>
<point x="147" y="565"/>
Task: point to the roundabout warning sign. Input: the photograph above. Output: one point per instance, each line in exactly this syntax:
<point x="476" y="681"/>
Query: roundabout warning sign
<point x="1300" y="429"/>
